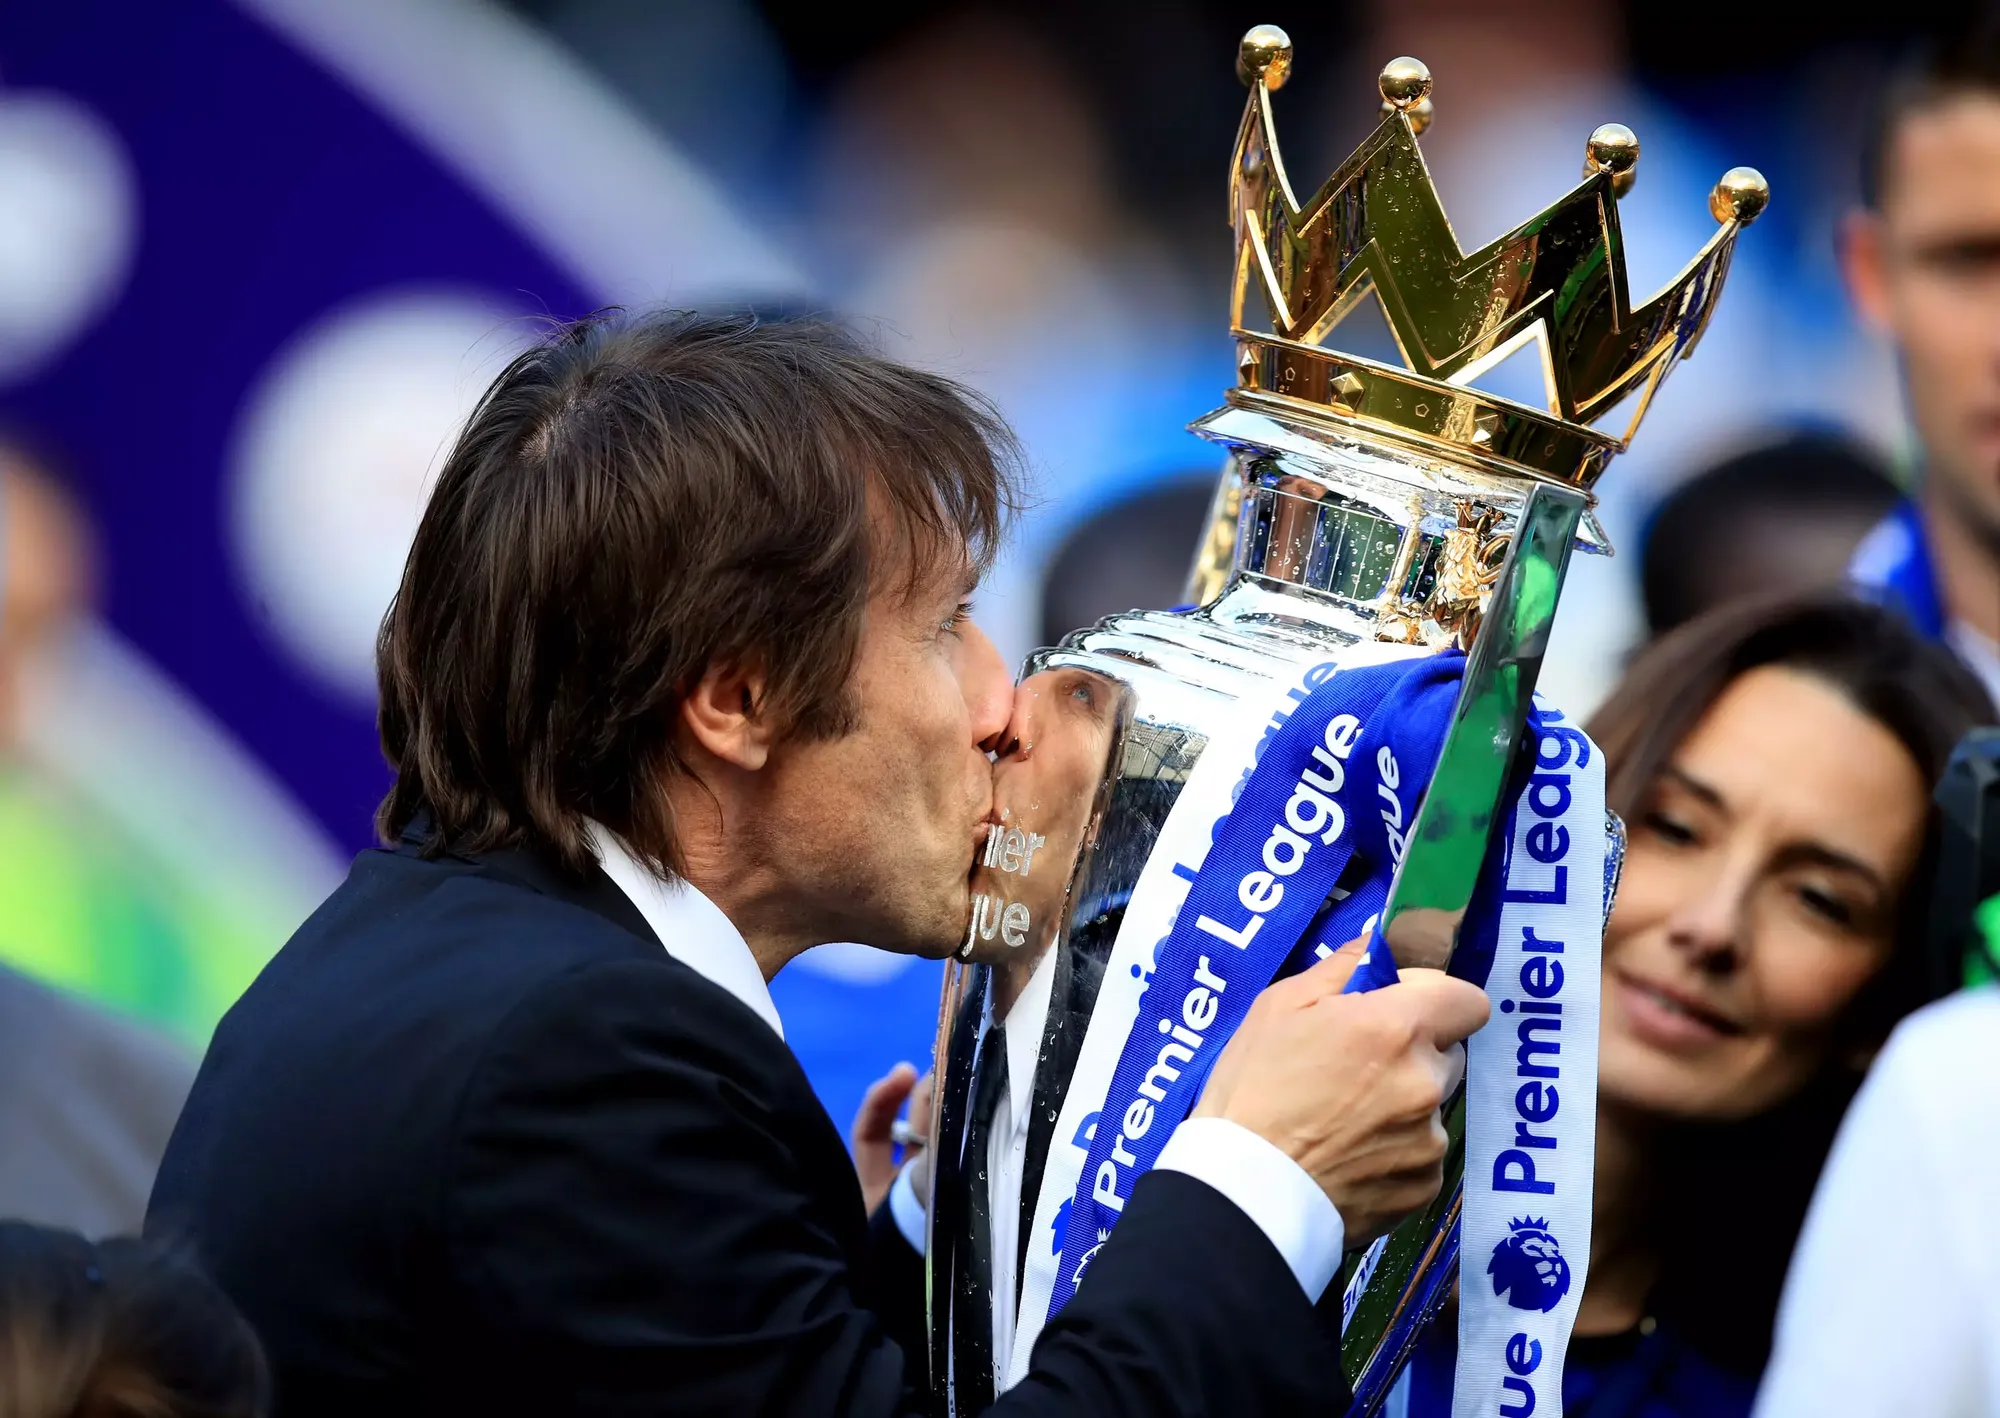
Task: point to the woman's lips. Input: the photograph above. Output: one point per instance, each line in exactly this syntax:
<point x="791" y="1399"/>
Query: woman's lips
<point x="1669" y="1018"/>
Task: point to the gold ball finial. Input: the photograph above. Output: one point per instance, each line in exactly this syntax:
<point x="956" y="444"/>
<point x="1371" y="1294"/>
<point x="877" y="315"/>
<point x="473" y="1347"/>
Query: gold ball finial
<point x="1405" y="82"/>
<point x="1265" y="57"/>
<point x="1739" y="196"/>
<point x="1613" y="148"/>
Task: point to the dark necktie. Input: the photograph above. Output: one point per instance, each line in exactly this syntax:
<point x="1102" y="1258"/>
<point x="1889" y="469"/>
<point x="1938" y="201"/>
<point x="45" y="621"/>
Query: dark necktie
<point x="972" y="1312"/>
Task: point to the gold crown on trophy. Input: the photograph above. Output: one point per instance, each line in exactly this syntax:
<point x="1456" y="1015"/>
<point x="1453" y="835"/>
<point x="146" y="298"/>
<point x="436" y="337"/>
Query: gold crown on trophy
<point x="1557" y="281"/>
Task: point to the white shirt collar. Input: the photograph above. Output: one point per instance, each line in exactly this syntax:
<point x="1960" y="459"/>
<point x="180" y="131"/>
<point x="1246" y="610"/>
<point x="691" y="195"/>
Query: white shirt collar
<point x="1026" y="1023"/>
<point x="690" y="926"/>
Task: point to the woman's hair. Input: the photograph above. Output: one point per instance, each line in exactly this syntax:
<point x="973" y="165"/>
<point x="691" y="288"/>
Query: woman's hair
<point x="1734" y="1195"/>
<point x="118" y="1329"/>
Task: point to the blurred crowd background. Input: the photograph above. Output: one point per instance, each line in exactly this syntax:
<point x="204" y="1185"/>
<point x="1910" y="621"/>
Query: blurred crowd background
<point x="258" y="258"/>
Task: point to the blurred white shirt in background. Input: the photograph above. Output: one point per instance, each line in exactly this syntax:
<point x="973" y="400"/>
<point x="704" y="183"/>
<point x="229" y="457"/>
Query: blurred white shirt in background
<point x="1892" y="1306"/>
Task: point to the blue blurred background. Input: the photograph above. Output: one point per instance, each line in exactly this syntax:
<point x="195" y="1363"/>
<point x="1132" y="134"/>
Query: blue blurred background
<point x="258" y="258"/>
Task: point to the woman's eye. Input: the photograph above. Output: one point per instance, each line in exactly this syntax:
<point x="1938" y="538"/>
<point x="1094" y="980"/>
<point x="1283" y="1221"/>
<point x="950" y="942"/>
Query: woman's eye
<point x="1669" y="828"/>
<point x="1827" y="906"/>
<point x="957" y="618"/>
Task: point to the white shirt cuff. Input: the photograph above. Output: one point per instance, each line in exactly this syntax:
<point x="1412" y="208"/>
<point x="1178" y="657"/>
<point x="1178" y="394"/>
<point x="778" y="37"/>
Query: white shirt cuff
<point x="907" y="1211"/>
<point x="1272" y="1190"/>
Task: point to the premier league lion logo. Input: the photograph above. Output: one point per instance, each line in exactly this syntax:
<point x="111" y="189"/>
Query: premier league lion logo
<point x="1528" y="1266"/>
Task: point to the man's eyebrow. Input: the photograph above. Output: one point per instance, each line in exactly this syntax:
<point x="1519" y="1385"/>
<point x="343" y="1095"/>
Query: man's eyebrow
<point x="1707" y="792"/>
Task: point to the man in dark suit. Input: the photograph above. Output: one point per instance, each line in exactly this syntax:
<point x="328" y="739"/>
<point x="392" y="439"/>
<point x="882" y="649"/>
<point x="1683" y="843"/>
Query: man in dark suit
<point x="679" y="682"/>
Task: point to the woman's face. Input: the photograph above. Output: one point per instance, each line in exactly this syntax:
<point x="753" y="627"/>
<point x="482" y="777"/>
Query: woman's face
<point x="1759" y="896"/>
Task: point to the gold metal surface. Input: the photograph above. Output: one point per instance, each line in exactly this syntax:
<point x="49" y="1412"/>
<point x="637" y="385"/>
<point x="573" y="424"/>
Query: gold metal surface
<point x="1739" y="196"/>
<point x="1265" y="57"/>
<point x="1613" y="148"/>
<point x="1557" y="281"/>
<point x="1405" y="82"/>
<point x="1468" y="566"/>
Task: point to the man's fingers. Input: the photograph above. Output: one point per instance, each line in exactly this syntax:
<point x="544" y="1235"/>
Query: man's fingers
<point x="884" y="1099"/>
<point x="920" y="1105"/>
<point x="1450" y="1010"/>
<point x="1329" y="975"/>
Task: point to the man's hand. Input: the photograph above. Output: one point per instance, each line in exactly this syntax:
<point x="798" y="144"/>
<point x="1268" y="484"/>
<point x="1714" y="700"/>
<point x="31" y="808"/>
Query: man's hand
<point x="874" y="1135"/>
<point x="1349" y="1085"/>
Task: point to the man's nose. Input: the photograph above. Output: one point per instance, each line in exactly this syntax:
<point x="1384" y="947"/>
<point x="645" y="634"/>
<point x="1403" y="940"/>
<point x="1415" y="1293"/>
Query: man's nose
<point x="987" y="687"/>
<point x="1019" y="734"/>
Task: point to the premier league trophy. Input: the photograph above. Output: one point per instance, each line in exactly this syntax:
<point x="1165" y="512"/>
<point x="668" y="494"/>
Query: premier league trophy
<point x="1342" y="729"/>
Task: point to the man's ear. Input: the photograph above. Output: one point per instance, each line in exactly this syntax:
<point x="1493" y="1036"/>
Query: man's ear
<point x="1864" y="263"/>
<point x="724" y="713"/>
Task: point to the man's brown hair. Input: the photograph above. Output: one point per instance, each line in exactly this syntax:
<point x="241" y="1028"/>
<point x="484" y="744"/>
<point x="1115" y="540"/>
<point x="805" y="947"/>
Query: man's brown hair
<point x="635" y="500"/>
<point x="1962" y="58"/>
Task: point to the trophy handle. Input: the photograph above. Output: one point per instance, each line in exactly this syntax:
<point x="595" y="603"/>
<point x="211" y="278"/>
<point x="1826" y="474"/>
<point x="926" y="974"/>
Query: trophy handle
<point x="1409" y="1273"/>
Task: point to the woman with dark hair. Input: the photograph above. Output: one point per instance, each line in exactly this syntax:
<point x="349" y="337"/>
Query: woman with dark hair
<point x="118" y="1329"/>
<point x="1773" y="763"/>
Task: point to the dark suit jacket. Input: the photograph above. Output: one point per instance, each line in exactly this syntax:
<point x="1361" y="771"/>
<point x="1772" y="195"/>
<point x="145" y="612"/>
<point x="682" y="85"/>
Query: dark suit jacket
<point x="475" y="1143"/>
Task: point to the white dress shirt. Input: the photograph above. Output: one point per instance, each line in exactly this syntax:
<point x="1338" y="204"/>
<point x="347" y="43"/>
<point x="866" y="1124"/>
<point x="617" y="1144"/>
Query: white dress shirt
<point x="1272" y="1190"/>
<point x="1007" y="1146"/>
<point x="1892" y="1306"/>
<point x="690" y="926"/>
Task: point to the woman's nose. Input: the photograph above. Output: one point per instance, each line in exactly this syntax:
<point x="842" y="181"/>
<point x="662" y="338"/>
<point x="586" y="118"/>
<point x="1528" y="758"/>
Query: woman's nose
<point x="1709" y="924"/>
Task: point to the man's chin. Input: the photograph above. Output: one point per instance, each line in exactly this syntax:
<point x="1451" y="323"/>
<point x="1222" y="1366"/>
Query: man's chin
<point x="936" y="935"/>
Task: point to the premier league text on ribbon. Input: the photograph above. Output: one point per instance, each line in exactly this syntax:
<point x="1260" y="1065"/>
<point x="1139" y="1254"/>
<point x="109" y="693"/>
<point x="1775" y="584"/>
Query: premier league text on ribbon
<point x="1531" y="1088"/>
<point x="1538" y="1059"/>
<point x="1311" y="817"/>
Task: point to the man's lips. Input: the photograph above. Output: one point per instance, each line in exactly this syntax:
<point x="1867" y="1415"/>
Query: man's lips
<point x="981" y="830"/>
<point x="1672" y="1017"/>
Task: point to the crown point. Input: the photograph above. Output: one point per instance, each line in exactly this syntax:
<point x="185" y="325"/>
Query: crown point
<point x="1613" y="149"/>
<point x="1740" y="196"/>
<point x="1264" y="57"/>
<point x="1419" y="113"/>
<point x="1405" y="83"/>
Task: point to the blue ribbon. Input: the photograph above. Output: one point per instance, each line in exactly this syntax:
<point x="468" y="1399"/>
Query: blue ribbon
<point x="1336" y="783"/>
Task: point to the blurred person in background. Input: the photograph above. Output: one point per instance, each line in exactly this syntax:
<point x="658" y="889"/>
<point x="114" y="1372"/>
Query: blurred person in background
<point x="87" y="1098"/>
<point x="1922" y="259"/>
<point x="1780" y="518"/>
<point x="1773" y="763"/>
<point x="118" y="1329"/>
<point x="98" y="899"/>
<point x="1133" y="555"/>
<point x="1892" y="1306"/>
